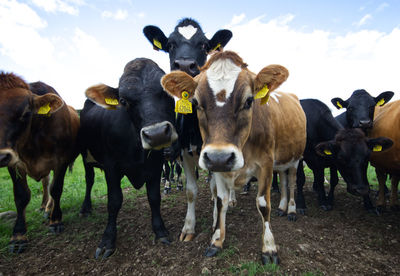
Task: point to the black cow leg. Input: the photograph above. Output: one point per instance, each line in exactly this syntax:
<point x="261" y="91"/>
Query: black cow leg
<point x="179" y="185"/>
<point x="56" y="188"/>
<point x="333" y="182"/>
<point x="154" y="198"/>
<point x="319" y="185"/>
<point x="22" y="196"/>
<point x="275" y="186"/>
<point x="301" y="179"/>
<point x="369" y="206"/>
<point x="86" y="208"/>
<point x="107" y="245"/>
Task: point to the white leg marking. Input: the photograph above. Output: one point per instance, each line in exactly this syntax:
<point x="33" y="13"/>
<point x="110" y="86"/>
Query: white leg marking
<point x="284" y="199"/>
<point x="191" y="193"/>
<point x="269" y="242"/>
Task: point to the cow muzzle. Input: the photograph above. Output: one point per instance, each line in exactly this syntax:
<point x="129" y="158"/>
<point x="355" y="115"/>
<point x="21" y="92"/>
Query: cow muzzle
<point x="221" y="158"/>
<point x="7" y="158"/>
<point x="158" y="136"/>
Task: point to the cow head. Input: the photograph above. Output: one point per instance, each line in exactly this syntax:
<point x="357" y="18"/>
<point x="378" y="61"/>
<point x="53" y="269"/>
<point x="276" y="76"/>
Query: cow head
<point x="18" y="107"/>
<point x="351" y="150"/>
<point x="150" y="109"/>
<point x="360" y="107"/>
<point x="187" y="45"/>
<point x="223" y="94"/>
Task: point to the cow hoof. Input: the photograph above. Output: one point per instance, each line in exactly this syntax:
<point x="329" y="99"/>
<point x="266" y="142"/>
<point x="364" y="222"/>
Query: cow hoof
<point x="56" y="228"/>
<point x="212" y="250"/>
<point x="84" y="214"/>
<point x="179" y="188"/>
<point x="103" y="251"/>
<point x="163" y="240"/>
<point x="301" y="211"/>
<point x="280" y="213"/>
<point x="326" y="207"/>
<point x="270" y="258"/>
<point x="186" y="237"/>
<point x="292" y="217"/>
<point x="232" y="203"/>
<point x="46" y="215"/>
<point x="275" y="190"/>
<point x="167" y="190"/>
<point x="378" y="210"/>
<point x="17" y="246"/>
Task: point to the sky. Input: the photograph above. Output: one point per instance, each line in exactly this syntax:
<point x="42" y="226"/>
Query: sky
<point x="330" y="48"/>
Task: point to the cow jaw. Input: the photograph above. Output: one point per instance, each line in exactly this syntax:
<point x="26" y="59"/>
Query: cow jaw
<point x="221" y="158"/>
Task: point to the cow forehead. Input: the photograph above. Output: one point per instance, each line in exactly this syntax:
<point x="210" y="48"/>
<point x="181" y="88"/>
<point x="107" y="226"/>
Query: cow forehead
<point x="187" y="31"/>
<point x="221" y="77"/>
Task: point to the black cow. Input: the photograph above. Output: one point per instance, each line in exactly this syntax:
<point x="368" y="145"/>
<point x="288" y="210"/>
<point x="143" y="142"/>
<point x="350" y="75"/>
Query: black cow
<point x="188" y="48"/>
<point x="127" y="141"/>
<point x="329" y="145"/>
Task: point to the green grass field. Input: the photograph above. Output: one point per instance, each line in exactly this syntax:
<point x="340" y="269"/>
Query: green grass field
<point x="72" y="197"/>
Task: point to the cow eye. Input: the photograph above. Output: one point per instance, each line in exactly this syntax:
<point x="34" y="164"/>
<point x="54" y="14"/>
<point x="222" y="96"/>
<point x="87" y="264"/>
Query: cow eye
<point x="123" y="102"/>
<point x="248" y="103"/>
<point x="171" y="46"/>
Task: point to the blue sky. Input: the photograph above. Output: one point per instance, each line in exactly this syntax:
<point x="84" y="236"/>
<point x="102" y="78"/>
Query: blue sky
<point x="331" y="48"/>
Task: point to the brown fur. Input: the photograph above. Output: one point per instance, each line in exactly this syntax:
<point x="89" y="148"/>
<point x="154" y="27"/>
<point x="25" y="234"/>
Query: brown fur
<point x="10" y="81"/>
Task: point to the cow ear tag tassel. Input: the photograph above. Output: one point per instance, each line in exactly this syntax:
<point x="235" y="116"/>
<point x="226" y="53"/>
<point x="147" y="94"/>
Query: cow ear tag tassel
<point x="111" y="101"/>
<point x="380" y="102"/>
<point x="157" y="44"/>
<point x="44" y="109"/>
<point x="327" y="152"/>
<point x="184" y="106"/>
<point x="377" y="148"/>
<point x="263" y="95"/>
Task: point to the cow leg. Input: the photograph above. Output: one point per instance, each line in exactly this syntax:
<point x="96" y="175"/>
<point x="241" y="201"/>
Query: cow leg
<point x="282" y="209"/>
<point x="263" y="202"/>
<point x="394" y="205"/>
<point x="275" y="186"/>
<point x="213" y="188"/>
<point x="179" y="185"/>
<point x="167" y="175"/>
<point x="47" y="200"/>
<point x="86" y="208"/>
<point x="333" y="182"/>
<point x="191" y="196"/>
<point x="154" y="198"/>
<point x="56" y="188"/>
<point x="114" y="196"/>
<point x="292" y="203"/>
<point x="300" y="180"/>
<point x="381" y="202"/>
<point x="22" y="196"/>
<point x="319" y="186"/>
<point x="222" y="200"/>
<point x="232" y="198"/>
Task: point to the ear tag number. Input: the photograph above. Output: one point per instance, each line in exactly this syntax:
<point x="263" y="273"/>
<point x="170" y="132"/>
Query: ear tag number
<point x="380" y="102"/>
<point x="111" y="101"/>
<point x="217" y="47"/>
<point x="327" y="152"/>
<point x="339" y="105"/>
<point x="377" y="148"/>
<point x="263" y="95"/>
<point x="184" y="106"/>
<point x="44" y="109"/>
<point x="157" y="44"/>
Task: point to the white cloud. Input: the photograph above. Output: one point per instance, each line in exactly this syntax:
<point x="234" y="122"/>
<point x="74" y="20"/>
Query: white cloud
<point x="59" y="6"/>
<point x="363" y="20"/>
<point x="118" y="15"/>
<point x="322" y="65"/>
<point x="382" y="7"/>
<point x="237" y="19"/>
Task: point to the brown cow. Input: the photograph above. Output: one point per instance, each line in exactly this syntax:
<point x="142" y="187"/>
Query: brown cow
<point x="37" y="136"/>
<point x="387" y="123"/>
<point x="241" y="138"/>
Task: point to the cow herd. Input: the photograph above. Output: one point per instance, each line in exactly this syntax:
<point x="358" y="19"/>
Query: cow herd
<point x="230" y="122"/>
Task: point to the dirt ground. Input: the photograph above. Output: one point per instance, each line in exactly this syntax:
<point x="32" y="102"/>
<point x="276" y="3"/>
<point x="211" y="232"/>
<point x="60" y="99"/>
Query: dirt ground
<point x="345" y="241"/>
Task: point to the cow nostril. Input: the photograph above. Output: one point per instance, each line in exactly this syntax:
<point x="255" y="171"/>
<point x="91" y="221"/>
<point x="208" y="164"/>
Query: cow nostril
<point x="175" y="65"/>
<point x="192" y="66"/>
<point x="5" y="159"/>
<point x="206" y="158"/>
<point x="146" y="135"/>
<point x="167" y="130"/>
<point x="231" y="158"/>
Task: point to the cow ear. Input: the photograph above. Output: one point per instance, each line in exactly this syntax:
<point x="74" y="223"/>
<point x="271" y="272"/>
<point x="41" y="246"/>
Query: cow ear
<point x="156" y="38"/>
<point x="339" y="103"/>
<point x="326" y="149"/>
<point x="47" y="104"/>
<point x="177" y="82"/>
<point x="219" y="40"/>
<point x="383" y="98"/>
<point x="379" y="144"/>
<point x="103" y="95"/>
<point x="270" y="78"/>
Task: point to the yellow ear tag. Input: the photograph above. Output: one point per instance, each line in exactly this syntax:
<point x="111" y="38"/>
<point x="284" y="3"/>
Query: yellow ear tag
<point x="380" y="102"/>
<point x="216" y="47"/>
<point x="377" y="148"/>
<point x="44" y="109"/>
<point x="184" y="106"/>
<point x="339" y="105"/>
<point x="157" y="44"/>
<point x="263" y="95"/>
<point x="327" y="152"/>
<point x="111" y="101"/>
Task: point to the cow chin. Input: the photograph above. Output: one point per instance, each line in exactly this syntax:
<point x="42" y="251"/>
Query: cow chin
<point x="158" y="136"/>
<point x="221" y="158"/>
<point x="8" y="158"/>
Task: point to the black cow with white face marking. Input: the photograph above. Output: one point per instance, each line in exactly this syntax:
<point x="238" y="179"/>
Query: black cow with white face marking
<point x="126" y="141"/>
<point x="360" y="108"/>
<point x="188" y="47"/>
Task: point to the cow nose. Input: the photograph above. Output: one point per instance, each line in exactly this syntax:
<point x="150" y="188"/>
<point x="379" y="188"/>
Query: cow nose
<point x="219" y="161"/>
<point x="365" y="123"/>
<point x="187" y="65"/>
<point x="5" y="159"/>
<point x="158" y="135"/>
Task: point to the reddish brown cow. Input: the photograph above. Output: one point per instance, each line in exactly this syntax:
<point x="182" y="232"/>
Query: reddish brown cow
<point x="387" y="123"/>
<point x="242" y="139"/>
<point x="37" y="136"/>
